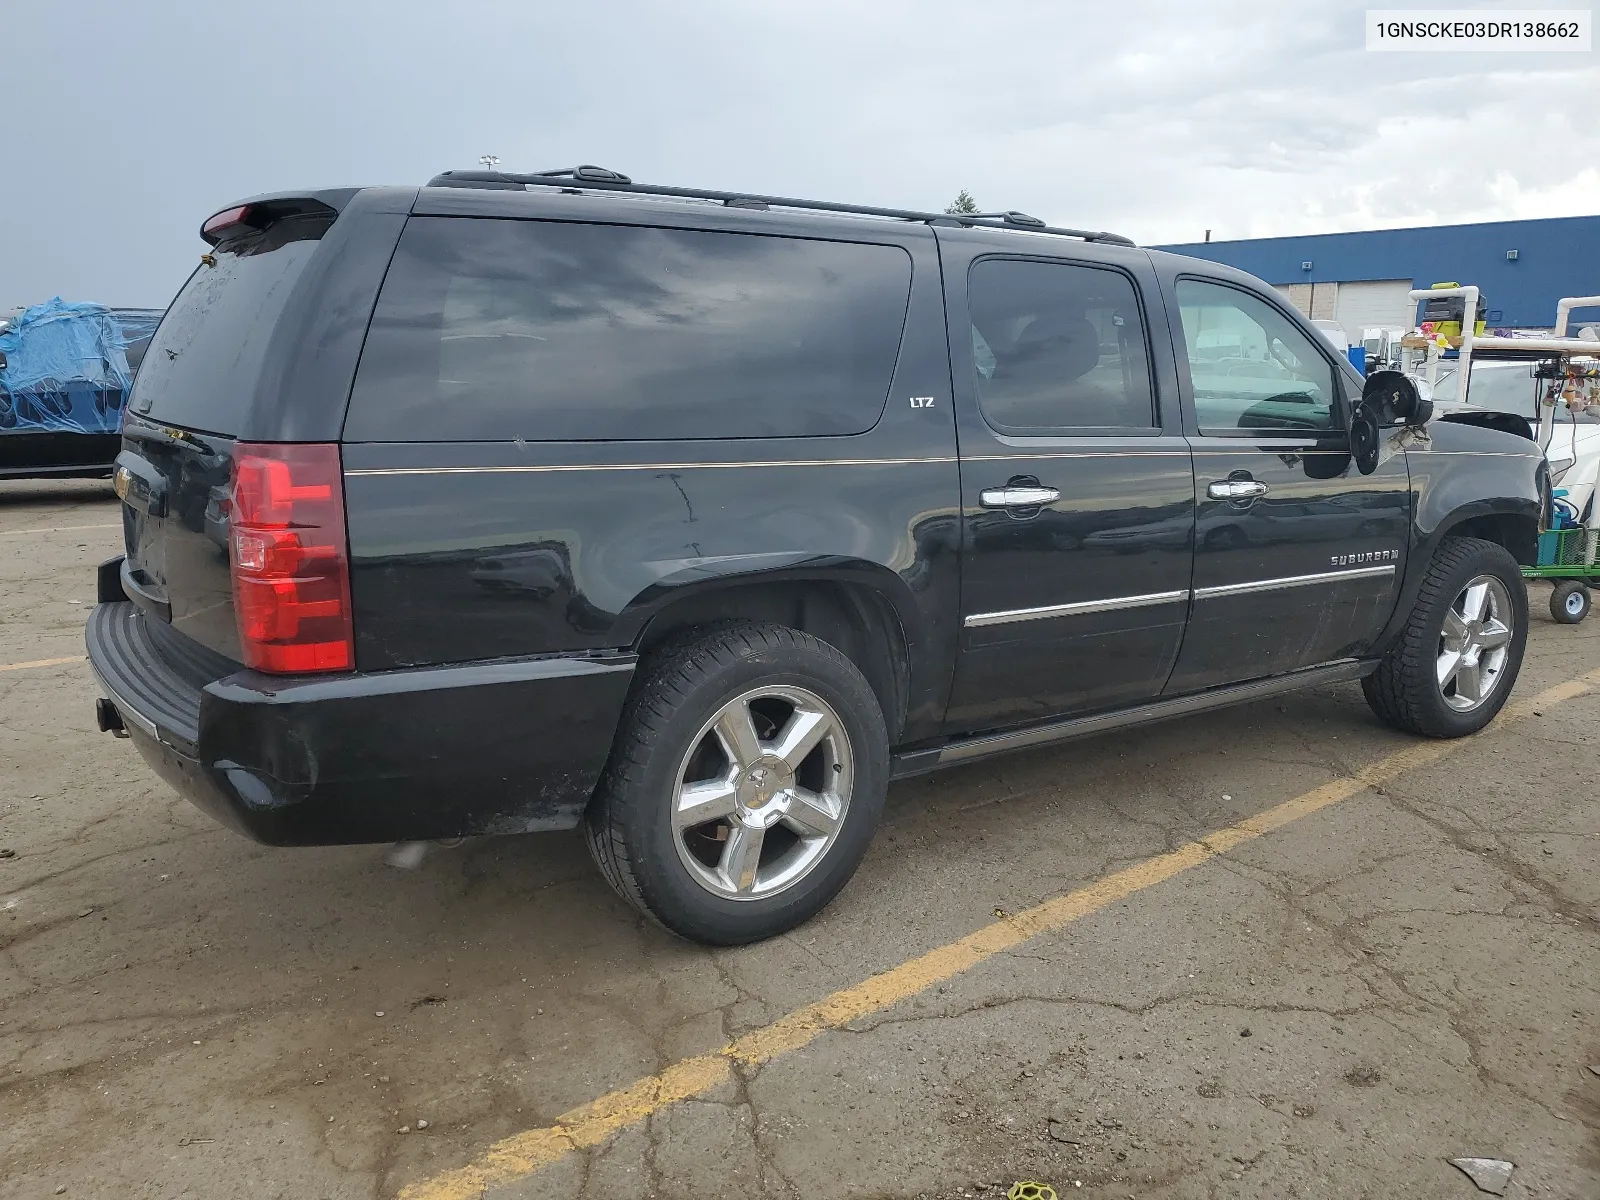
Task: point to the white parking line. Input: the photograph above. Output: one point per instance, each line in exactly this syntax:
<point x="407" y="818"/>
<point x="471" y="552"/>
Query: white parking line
<point x="59" y="529"/>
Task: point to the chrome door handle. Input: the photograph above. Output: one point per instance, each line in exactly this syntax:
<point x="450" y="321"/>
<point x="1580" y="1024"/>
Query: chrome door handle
<point x="1018" y="497"/>
<point x="1236" y="489"/>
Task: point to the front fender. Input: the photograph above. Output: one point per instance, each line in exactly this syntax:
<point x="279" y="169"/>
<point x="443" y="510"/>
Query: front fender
<point x="1481" y="481"/>
<point x="1465" y="472"/>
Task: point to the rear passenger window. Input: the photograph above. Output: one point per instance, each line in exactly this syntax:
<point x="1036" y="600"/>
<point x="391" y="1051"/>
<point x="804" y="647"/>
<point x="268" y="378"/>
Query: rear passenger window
<point x="1058" y="347"/>
<point x="491" y="330"/>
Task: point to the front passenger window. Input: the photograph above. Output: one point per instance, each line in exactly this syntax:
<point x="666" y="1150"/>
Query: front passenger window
<point x="1252" y="368"/>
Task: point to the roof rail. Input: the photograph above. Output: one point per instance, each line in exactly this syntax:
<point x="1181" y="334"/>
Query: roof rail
<point x="601" y="179"/>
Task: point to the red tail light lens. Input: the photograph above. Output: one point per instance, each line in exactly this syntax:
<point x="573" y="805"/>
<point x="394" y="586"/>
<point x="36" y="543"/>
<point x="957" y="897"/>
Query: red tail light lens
<point x="290" y="558"/>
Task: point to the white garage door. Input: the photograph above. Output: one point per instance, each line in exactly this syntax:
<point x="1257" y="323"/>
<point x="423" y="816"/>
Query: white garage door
<point x="1370" y="303"/>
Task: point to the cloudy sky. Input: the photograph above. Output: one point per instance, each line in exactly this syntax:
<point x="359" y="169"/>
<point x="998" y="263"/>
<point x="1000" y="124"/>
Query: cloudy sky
<point x="130" y="123"/>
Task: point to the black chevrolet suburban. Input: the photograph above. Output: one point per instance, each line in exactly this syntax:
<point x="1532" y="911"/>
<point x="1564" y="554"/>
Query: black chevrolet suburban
<point x="520" y="502"/>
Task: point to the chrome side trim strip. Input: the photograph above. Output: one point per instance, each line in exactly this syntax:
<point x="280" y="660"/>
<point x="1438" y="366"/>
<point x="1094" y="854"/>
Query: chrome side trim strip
<point x="1007" y="616"/>
<point x="1291" y="581"/>
<point x="801" y="462"/>
<point x="1475" y="453"/>
<point x="1270" y="448"/>
<point x="1026" y="453"/>
<point x="1060" y="731"/>
<point x="1221" y="446"/>
<point x="676" y="466"/>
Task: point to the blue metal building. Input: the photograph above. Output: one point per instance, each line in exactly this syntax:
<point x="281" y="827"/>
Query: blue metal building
<point x="1360" y="279"/>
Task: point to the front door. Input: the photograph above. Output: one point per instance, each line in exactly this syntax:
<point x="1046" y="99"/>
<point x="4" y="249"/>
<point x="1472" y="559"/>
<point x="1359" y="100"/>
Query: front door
<point x="1077" y="490"/>
<point x="1298" y="556"/>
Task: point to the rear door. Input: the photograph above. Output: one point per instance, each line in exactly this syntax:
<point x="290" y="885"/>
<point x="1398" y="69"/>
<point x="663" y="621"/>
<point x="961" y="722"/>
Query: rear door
<point x="1077" y="491"/>
<point x="1298" y="556"/>
<point x="192" y="398"/>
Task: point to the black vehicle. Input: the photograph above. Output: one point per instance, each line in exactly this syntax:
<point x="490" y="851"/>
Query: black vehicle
<point x="513" y="502"/>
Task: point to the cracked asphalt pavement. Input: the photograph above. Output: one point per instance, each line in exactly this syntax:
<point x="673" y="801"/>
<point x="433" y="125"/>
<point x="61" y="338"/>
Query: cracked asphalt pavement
<point x="1334" y="1009"/>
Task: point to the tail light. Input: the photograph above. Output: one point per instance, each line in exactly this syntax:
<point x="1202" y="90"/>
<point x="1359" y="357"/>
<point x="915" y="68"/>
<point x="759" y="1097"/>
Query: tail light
<point x="290" y="558"/>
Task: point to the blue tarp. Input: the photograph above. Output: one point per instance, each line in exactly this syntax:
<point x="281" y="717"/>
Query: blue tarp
<point x="67" y="368"/>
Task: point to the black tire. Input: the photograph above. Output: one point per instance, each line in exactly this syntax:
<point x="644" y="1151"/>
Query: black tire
<point x="1569" y="602"/>
<point x="681" y="687"/>
<point x="1404" y="691"/>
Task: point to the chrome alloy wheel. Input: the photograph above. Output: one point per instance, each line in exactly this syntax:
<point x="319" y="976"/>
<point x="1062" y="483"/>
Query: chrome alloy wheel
<point x="762" y="792"/>
<point x="1474" y="643"/>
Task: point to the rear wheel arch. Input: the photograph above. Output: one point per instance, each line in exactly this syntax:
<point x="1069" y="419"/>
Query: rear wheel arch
<point x="855" y="617"/>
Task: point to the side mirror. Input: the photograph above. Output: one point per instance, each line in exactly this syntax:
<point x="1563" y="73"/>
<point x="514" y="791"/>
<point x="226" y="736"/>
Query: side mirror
<point x="1391" y="397"/>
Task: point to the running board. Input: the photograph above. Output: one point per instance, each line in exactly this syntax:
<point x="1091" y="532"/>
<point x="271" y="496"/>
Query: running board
<point x="916" y="762"/>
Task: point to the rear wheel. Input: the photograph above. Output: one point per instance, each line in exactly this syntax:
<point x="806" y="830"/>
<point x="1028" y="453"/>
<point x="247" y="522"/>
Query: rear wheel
<point x="745" y="785"/>
<point x="1569" y="602"/>
<point x="1457" y="660"/>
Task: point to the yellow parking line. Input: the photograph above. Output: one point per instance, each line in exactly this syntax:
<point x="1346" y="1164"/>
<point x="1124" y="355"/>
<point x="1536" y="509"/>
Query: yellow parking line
<point x="41" y="662"/>
<point x="522" y="1154"/>
<point x="59" y="529"/>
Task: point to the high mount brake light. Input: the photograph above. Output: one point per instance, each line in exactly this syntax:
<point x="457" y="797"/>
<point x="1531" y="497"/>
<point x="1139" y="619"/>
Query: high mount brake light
<point x="290" y="558"/>
<point x="211" y="231"/>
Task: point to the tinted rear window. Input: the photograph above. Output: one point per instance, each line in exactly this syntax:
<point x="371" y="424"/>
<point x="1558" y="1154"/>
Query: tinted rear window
<point x="1058" y="347"/>
<point x="201" y="368"/>
<point x="491" y="330"/>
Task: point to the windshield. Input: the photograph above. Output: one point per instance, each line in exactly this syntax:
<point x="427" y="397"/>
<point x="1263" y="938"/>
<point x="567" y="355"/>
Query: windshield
<point x="1565" y="416"/>
<point x="1510" y="388"/>
<point x="1504" y="387"/>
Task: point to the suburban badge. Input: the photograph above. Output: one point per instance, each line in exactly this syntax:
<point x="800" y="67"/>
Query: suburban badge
<point x="1364" y="556"/>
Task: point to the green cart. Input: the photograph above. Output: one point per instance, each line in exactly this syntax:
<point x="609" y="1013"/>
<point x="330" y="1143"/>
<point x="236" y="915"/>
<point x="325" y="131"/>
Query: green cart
<point x="1568" y="557"/>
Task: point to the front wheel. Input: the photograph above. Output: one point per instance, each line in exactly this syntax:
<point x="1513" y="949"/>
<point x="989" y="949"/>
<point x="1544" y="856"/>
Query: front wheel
<point x="745" y="784"/>
<point x="1455" y="663"/>
<point x="1569" y="602"/>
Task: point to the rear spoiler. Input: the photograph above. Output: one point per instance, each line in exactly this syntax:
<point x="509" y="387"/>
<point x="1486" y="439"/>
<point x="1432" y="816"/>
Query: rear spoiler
<point x="260" y="211"/>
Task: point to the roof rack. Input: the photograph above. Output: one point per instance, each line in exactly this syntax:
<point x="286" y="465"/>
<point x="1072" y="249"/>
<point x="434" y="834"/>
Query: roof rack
<point x="602" y="179"/>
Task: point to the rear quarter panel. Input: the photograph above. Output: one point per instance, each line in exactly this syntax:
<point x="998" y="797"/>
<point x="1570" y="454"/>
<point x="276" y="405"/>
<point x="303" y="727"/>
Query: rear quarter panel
<point x="467" y="551"/>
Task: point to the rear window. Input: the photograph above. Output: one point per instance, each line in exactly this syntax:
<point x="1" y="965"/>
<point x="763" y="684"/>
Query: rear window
<point x="490" y="330"/>
<point x="200" y="370"/>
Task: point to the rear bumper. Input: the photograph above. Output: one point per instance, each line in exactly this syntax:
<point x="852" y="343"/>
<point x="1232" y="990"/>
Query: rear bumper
<point x="510" y="746"/>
